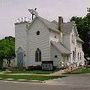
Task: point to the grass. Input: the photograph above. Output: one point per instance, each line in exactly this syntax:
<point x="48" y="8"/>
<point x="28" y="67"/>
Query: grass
<point x="80" y="71"/>
<point x="41" y="77"/>
<point x="33" y="72"/>
<point x="29" y="77"/>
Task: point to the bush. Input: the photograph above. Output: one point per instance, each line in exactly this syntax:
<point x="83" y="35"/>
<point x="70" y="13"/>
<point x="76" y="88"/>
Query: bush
<point x="16" y="69"/>
<point x="34" y="67"/>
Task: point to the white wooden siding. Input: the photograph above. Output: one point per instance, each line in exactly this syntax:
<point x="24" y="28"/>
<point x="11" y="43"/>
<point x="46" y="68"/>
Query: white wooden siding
<point x="53" y="35"/>
<point x="30" y="41"/>
<point x="56" y="61"/>
<point x="38" y="41"/>
<point x="66" y="41"/>
<point x="21" y="39"/>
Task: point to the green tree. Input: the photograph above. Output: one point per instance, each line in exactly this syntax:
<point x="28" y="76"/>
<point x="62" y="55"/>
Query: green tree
<point x="7" y="49"/>
<point x="1" y="58"/>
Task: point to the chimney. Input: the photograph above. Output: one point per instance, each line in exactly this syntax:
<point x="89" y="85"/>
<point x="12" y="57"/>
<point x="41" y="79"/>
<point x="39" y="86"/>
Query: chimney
<point x="60" y="22"/>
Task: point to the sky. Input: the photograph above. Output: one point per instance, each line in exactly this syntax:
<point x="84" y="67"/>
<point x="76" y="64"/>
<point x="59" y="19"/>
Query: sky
<point x="10" y="10"/>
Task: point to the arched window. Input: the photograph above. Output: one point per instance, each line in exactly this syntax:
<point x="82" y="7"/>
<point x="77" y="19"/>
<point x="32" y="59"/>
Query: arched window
<point x="38" y="55"/>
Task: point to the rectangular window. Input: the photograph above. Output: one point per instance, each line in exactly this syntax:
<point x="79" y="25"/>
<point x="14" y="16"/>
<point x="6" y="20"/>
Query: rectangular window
<point x="73" y="55"/>
<point x="80" y="55"/>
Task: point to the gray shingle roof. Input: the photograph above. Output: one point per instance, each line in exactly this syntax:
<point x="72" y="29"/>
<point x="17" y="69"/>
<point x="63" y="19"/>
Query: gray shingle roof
<point x="50" y="25"/>
<point x="60" y="47"/>
<point x="67" y="27"/>
<point x="55" y="22"/>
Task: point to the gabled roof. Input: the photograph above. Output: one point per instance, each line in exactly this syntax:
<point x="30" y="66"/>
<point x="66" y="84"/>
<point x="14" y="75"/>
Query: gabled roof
<point x="67" y="27"/>
<point x="59" y="46"/>
<point x="50" y="26"/>
<point x="54" y="22"/>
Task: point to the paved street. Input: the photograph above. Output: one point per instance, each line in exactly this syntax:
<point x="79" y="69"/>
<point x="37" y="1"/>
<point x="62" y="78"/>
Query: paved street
<point x="78" y="79"/>
<point x="73" y="82"/>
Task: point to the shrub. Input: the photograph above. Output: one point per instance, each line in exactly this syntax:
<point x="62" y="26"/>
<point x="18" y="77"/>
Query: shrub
<point x="34" y="67"/>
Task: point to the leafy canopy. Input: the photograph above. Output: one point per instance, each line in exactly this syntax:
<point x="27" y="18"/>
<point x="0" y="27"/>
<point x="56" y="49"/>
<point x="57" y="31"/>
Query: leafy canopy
<point x="7" y="48"/>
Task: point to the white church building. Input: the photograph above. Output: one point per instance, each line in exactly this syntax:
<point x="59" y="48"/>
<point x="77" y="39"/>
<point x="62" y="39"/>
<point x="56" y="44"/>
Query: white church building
<point x="47" y="43"/>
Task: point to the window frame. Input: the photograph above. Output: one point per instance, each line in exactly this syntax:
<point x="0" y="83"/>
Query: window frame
<point x="38" y="55"/>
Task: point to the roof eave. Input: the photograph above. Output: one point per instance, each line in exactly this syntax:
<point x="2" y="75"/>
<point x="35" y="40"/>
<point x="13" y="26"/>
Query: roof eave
<point x="53" y="30"/>
<point x="60" y="51"/>
<point x="66" y="53"/>
<point x="17" y="23"/>
<point x="79" y="40"/>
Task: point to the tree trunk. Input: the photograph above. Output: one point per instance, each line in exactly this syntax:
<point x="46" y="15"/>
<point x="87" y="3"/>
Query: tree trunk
<point x="1" y="63"/>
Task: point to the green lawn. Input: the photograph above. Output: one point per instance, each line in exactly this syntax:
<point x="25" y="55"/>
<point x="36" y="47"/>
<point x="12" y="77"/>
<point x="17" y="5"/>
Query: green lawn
<point x="37" y="76"/>
<point x="33" y="72"/>
<point x="29" y="77"/>
<point x="80" y="71"/>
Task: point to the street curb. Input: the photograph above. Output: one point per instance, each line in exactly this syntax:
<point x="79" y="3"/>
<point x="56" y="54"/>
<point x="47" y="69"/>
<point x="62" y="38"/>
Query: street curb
<point x="22" y="80"/>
